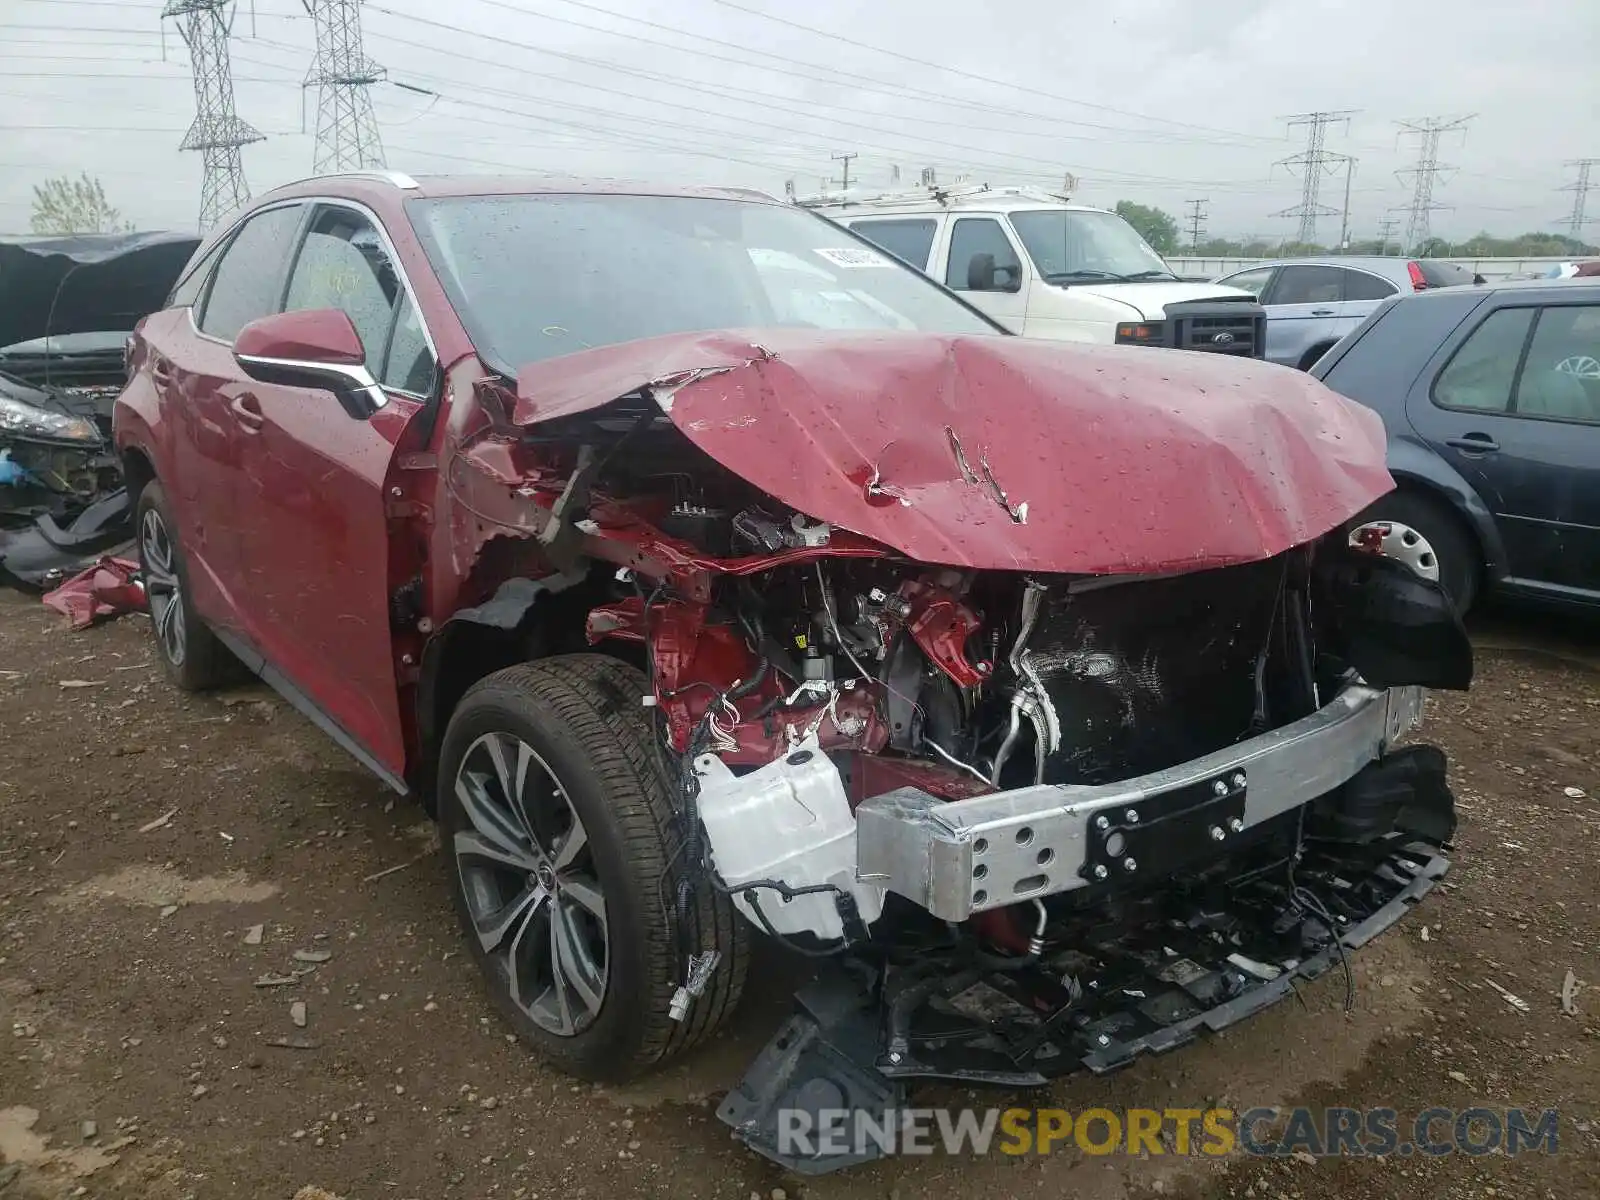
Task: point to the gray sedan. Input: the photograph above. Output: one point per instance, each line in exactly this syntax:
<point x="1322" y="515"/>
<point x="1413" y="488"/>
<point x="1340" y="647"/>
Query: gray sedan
<point x="1313" y="302"/>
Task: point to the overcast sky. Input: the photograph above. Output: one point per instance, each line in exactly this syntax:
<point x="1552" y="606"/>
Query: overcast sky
<point x="1159" y="101"/>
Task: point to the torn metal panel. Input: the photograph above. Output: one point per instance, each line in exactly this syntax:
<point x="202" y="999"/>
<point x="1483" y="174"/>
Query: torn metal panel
<point x="1003" y="453"/>
<point x="108" y="589"/>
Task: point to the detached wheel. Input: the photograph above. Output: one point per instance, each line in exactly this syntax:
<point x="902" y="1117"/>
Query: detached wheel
<point x="191" y="654"/>
<point x="1430" y="539"/>
<point x="557" y="824"/>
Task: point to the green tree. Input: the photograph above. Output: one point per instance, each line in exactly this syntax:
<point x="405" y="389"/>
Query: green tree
<point x="63" y="205"/>
<point x="1158" y="228"/>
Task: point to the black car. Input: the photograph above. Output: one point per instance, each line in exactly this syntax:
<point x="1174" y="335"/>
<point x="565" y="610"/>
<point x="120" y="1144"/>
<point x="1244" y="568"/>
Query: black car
<point x="1491" y="398"/>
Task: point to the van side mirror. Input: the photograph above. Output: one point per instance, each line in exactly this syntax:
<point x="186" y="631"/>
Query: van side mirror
<point x="314" y="348"/>
<point x="984" y="276"/>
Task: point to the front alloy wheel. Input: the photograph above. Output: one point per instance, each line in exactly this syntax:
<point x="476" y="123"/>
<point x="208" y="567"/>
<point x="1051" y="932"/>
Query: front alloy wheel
<point x="528" y="880"/>
<point x="571" y="883"/>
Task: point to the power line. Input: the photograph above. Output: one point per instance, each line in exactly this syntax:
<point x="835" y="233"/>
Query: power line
<point x="217" y="132"/>
<point x="347" y="132"/>
<point x="1428" y="131"/>
<point x="1018" y="164"/>
<point x="1009" y="84"/>
<point x="1580" y="189"/>
<point x="1197" y="221"/>
<point x="1313" y="160"/>
<point x="832" y="76"/>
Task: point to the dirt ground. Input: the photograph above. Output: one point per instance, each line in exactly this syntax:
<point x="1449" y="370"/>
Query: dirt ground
<point x="178" y="875"/>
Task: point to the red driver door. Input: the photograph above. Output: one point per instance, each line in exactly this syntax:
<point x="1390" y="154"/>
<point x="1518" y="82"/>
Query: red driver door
<point x="312" y="518"/>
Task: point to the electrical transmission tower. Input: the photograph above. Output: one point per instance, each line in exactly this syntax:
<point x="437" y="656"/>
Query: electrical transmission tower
<point x="1386" y="228"/>
<point x="1428" y="130"/>
<point x="347" y="132"/>
<point x="216" y="132"/>
<point x="1197" y="221"/>
<point x="1580" y="189"/>
<point x="1315" y="161"/>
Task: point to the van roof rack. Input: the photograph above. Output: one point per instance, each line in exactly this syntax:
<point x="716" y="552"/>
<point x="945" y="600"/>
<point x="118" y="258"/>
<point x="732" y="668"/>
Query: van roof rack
<point x="946" y="196"/>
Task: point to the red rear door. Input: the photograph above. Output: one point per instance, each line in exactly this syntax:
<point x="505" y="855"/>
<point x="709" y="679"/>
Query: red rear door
<point x="192" y="367"/>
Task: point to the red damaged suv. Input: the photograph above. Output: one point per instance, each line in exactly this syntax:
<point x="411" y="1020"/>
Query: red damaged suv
<point x="706" y="572"/>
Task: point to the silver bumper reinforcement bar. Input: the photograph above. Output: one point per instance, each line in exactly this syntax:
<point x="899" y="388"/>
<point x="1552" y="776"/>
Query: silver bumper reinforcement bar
<point x="955" y="858"/>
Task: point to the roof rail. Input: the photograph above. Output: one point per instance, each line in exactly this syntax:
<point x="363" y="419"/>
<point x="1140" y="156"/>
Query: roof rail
<point x="398" y="178"/>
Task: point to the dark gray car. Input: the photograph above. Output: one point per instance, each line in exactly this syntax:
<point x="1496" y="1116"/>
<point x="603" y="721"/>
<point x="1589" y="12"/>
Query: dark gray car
<point x="1491" y="399"/>
<point x="1313" y="302"/>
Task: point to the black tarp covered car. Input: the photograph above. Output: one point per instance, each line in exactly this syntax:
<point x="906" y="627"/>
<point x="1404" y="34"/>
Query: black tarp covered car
<point x="67" y="305"/>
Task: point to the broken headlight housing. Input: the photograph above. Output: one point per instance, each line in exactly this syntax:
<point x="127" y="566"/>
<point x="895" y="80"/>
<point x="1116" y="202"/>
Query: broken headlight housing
<point x="25" y="420"/>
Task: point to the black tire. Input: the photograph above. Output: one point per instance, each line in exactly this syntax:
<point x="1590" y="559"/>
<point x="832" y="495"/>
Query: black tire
<point x="581" y="715"/>
<point x="1455" y="549"/>
<point x="190" y="653"/>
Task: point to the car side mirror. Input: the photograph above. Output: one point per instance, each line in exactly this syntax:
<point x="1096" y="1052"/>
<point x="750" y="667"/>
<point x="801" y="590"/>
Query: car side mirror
<point x="314" y="348"/>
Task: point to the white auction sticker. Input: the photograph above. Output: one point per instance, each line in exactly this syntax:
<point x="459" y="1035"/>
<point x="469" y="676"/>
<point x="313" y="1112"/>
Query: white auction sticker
<point x="853" y="256"/>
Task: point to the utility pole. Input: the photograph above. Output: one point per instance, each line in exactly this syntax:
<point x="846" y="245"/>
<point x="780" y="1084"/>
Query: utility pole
<point x="347" y="132"/>
<point x="1344" y="212"/>
<point x="1197" y="220"/>
<point x="1386" y="228"/>
<point x="1428" y="168"/>
<point x="1580" y="189"/>
<point x="845" y="159"/>
<point x="217" y="132"/>
<point x="1314" y="160"/>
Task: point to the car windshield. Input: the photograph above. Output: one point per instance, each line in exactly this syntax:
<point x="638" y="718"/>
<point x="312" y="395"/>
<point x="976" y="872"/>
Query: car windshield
<point x="536" y="276"/>
<point x="1069" y="245"/>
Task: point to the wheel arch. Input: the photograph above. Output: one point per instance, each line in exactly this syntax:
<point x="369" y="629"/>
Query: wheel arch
<point x="1423" y="473"/>
<point x="525" y="620"/>
<point x="138" y="472"/>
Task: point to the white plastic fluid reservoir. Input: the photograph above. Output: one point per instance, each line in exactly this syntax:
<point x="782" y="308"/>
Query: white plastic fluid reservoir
<point x="789" y="821"/>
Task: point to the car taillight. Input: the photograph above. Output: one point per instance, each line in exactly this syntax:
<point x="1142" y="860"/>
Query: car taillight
<point x="1419" y="281"/>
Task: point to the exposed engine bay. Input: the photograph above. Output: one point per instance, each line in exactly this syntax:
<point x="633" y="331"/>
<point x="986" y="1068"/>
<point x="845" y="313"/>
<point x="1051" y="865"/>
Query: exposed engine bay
<point x="1033" y="820"/>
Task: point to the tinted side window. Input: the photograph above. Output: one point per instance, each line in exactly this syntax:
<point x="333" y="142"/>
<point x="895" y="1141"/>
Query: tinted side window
<point x="1308" y="285"/>
<point x="1561" y="374"/>
<point x="249" y="277"/>
<point x="344" y="265"/>
<point x="409" y="364"/>
<point x="909" y="240"/>
<point x="1359" y="285"/>
<point x="1480" y="373"/>
<point x="973" y="237"/>
<point x="1255" y="282"/>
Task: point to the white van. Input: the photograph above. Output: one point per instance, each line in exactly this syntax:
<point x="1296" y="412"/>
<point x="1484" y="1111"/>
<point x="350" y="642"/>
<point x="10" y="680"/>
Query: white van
<point x="1046" y="268"/>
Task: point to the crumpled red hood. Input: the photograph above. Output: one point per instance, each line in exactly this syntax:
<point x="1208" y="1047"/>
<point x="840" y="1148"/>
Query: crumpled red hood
<point x="1004" y="453"/>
